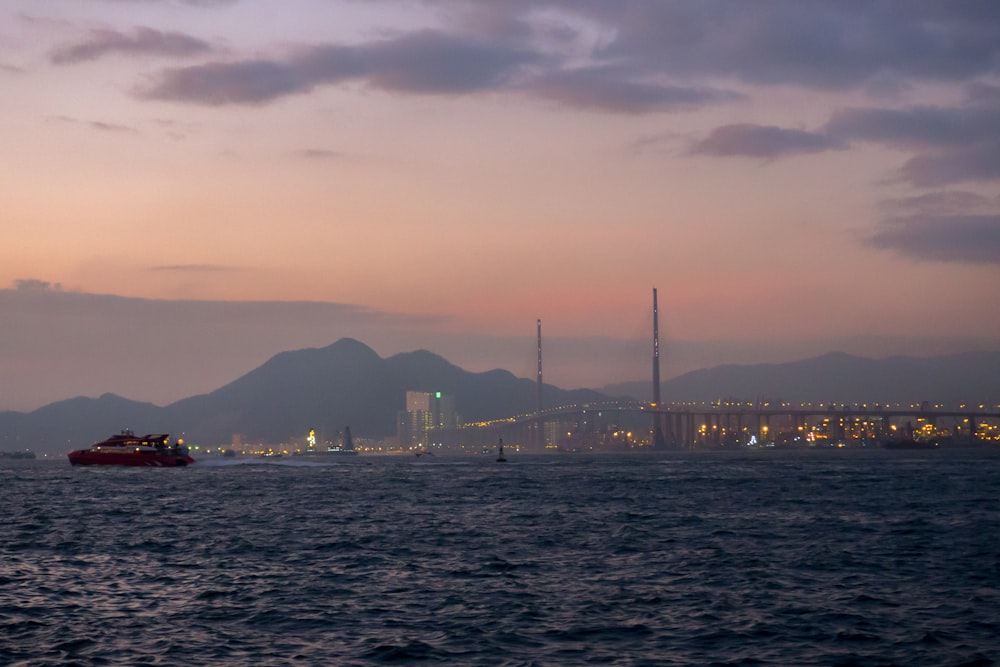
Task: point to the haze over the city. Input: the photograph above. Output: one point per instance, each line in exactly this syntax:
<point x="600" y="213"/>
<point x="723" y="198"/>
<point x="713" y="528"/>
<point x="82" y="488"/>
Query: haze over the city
<point x="188" y="187"/>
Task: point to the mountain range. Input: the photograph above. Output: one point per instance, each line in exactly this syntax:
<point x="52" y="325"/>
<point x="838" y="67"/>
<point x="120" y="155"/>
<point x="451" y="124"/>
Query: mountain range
<point x="968" y="377"/>
<point x="326" y="389"/>
<point x="348" y="384"/>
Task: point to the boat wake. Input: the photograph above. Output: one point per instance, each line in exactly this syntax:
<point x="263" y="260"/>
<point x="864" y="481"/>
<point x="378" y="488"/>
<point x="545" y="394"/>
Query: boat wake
<point x="270" y="462"/>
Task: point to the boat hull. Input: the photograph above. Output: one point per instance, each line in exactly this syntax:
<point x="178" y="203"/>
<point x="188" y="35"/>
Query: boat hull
<point x="92" y="457"/>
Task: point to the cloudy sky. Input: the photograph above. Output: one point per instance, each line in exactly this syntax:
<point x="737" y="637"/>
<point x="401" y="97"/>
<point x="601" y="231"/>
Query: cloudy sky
<point x="188" y="187"/>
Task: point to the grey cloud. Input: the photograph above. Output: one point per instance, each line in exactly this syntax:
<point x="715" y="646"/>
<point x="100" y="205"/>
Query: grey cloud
<point x="806" y="42"/>
<point x="435" y="62"/>
<point x="609" y="90"/>
<point x="948" y="238"/>
<point x="917" y="126"/>
<point x="944" y="225"/>
<point x="762" y="141"/>
<point x="426" y="62"/>
<point x="975" y="163"/>
<point x="142" y="41"/>
<point x="953" y="144"/>
<point x="811" y="42"/>
<point x="508" y="20"/>
<point x="665" y="46"/>
<point x="247" y="82"/>
<point x="942" y="202"/>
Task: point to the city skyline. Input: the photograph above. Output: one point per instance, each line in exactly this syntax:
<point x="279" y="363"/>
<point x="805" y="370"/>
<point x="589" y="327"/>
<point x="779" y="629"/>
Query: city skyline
<point x="190" y="187"/>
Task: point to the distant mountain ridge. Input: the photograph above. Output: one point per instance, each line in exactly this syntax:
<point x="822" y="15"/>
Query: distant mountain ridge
<point x="343" y="384"/>
<point x="348" y="384"/>
<point x="972" y="377"/>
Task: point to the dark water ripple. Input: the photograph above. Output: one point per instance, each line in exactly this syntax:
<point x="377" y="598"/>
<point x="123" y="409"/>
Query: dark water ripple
<point x="758" y="558"/>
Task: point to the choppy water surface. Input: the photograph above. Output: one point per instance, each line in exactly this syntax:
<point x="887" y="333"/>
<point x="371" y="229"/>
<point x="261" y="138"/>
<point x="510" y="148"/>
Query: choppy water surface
<point x="772" y="558"/>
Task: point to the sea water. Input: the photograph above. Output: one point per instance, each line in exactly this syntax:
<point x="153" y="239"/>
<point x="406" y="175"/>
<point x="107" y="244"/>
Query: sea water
<point x="748" y="558"/>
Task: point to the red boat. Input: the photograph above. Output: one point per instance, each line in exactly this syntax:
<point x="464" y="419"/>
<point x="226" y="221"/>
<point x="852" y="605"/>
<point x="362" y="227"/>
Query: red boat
<point x="127" y="449"/>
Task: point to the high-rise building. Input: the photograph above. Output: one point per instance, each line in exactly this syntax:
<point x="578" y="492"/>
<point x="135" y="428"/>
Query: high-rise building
<point x="425" y="411"/>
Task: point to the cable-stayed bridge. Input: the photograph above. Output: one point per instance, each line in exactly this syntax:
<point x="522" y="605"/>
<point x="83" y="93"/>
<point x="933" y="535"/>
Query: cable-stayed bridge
<point x="630" y="424"/>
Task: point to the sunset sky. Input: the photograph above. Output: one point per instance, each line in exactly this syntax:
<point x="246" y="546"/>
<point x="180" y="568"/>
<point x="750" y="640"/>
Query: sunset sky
<point x="188" y="187"/>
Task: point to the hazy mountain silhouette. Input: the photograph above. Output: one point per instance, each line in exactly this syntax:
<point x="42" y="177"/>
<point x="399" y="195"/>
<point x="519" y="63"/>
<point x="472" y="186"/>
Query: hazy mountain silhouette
<point x="348" y="384"/>
<point x="971" y="377"/>
<point x="344" y="384"/>
<point x="77" y="422"/>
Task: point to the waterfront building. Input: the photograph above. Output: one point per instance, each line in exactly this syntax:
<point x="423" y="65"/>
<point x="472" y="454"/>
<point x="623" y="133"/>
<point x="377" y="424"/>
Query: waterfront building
<point x="425" y="412"/>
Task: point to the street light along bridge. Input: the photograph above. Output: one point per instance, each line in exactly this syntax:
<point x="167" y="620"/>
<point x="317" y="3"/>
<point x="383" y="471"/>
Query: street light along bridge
<point x="717" y="424"/>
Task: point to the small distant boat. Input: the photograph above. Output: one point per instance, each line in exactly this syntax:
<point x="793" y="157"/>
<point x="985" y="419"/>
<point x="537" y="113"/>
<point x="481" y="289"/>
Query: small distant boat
<point x="347" y="449"/>
<point x="127" y="449"/>
<point x="500" y="455"/>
